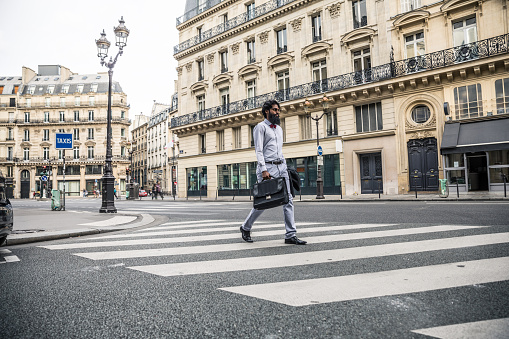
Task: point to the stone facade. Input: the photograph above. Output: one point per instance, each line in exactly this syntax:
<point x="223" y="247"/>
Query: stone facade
<point x="387" y="68"/>
<point x="53" y="100"/>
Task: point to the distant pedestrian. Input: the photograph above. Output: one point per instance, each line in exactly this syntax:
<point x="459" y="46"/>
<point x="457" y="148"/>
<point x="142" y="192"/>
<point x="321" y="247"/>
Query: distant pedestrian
<point x="154" y="192"/>
<point x="115" y="193"/>
<point x="158" y="190"/>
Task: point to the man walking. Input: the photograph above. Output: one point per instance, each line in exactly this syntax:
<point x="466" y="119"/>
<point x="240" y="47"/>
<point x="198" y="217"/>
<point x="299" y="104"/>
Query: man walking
<point x="268" y="140"/>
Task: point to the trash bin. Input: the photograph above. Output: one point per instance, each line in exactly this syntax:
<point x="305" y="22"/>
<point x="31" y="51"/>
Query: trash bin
<point x="444" y="188"/>
<point x="56" y="204"/>
<point x="132" y="191"/>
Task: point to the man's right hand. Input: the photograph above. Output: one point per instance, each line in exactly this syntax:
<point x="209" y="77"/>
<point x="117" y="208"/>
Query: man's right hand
<point x="265" y="175"/>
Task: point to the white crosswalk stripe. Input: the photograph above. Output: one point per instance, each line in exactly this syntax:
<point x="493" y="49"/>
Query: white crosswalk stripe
<point x="188" y="239"/>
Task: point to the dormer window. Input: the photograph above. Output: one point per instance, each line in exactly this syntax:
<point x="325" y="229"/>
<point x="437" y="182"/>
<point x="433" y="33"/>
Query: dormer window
<point x="79" y="89"/>
<point x="93" y="88"/>
<point x="51" y="88"/>
<point x="31" y="89"/>
<point x="65" y="88"/>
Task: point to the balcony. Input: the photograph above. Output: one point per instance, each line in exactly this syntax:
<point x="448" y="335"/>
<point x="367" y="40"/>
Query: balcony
<point x="258" y="11"/>
<point x="449" y="57"/>
<point x="251" y="60"/>
<point x="197" y="10"/>
<point x="282" y="49"/>
<point x="317" y="38"/>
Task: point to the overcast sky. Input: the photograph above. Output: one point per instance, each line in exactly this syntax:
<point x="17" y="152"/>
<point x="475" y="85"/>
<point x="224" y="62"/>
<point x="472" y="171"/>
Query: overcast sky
<point x="62" y="32"/>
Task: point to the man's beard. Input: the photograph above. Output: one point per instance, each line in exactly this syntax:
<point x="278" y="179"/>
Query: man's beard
<point x="274" y="119"/>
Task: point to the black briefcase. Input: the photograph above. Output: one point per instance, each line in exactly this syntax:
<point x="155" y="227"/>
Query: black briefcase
<point x="270" y="193"/>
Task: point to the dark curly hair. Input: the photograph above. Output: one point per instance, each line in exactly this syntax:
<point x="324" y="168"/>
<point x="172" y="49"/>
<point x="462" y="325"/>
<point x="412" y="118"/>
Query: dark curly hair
<point x="267" y="105"/>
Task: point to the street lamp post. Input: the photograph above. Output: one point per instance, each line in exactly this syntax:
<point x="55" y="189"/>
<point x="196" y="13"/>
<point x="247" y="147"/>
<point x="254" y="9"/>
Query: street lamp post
<point x="307" y="105"/>
<point x="108" y="180"/>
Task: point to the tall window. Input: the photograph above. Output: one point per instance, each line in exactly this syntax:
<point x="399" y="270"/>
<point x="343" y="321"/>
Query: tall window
<point x="250" y="11"/>
<point x="225" y="21"/>
<point x="45" y="153"/>
<point x="319" y="70"/>
<point x="251" y="88"/>
<point x="225" y="98"/>
<point x="237" y="137"/>
<point x="464" y="31"/>
<point x="26" y="153"/>
<point x="369" y="117"/>
<point x="283" y="83"/>
<point x="360" y="15"/>
<point x="332" y="123"/>
<point x="202" y="143"/>
<point x="281" y="41"/>
<point x="45" y="135"/>
<point x="250" y="51"/>
<point x="220" y="141"/>
<point x="200" y="102"/>
<point x="46" y="116"/>
<point x="409" y="5"/>
<point x="305" y="127"/>
<point x="27" y="135"/>
<point x="90" y="115"/>
<point x="122" y="151"/>
<point x="62" y="102"/>
<point x="224" y="61"/>
<point x="76" y="134"/>
<point x="200" y="70"/>
<point x="9" y="133"/>
<point x="76" y="152"/>
<point x="90" y="152"/>
<point x="76" y="116"/>
<point x="316" y="27"/>
<point x="90" y="134"/>
<point x="9" y="153"/>
<point x="414" y="45"/>
<point x="502" y="95"/>
<point x="468" y="101"/>
<point x="122" y="114"/>
<point x="27" y="116"/>
<point x="122" y="132"/>
<point x="251" y="132"/>
<point x="362" y="65"/>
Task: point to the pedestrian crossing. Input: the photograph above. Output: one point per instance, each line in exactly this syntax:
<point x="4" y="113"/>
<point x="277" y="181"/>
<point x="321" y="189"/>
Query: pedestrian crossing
<point x="6" y="256"/>
<point x="178" y="249"/>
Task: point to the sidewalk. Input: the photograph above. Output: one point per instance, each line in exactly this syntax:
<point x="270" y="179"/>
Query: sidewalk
<point x="47" y="225"/>
<point x="421" y="196"/>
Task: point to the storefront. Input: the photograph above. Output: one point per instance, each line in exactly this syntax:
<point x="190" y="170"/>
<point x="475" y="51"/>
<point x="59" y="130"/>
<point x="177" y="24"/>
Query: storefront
<point x="196" y="181"/>
<point x="476" y="155"/>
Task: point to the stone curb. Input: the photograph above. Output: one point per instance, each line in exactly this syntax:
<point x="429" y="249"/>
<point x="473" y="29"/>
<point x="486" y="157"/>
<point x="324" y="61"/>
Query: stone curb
<point x="18" y="239"/>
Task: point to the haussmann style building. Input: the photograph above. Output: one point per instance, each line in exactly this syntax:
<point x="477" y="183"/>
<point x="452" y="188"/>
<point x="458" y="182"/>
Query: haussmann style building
<point x="411" y="91"/>
<point x="37" y="105"/>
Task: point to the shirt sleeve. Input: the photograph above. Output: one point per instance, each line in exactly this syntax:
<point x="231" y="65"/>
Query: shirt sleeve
<point x="258" y="136"/>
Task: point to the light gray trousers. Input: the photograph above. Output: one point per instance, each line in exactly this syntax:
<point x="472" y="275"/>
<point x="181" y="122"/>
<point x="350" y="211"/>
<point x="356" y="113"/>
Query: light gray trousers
<point x="275" y="171"/>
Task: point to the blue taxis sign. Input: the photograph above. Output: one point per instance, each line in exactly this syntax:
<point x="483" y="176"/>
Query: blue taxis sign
<point x="63" y="141"/>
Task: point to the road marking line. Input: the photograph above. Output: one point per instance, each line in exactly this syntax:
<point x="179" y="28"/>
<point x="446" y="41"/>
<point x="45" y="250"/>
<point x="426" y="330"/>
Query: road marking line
<point x="193" y="230"/>
<point x="176" y="226"/>
<point x="467" y="203"/>
<point x="494" y="328"/>
<point x="192" y="238"/>
<point x="379" y="284"/>
<point x="11" y="258"/>
<point x="242" y="246"/>
<point x="328" y="256"/>
<point x="5" y="251"/>
<point x="118" y="220"/>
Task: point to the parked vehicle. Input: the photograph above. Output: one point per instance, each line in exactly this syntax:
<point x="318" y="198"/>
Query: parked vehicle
<point x="143" y="193"/>
<point x="6" y="214"/>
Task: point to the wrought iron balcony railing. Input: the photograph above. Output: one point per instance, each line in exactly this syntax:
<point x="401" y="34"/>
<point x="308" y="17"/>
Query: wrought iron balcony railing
<point x="230" y="24"/>
<point x="440" y="59"/>
<point x="204" y="5"/>
<point x="282" y="49"/>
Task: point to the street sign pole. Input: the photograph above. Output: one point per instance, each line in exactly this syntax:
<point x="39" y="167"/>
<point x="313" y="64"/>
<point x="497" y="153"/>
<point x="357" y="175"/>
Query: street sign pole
<point x="63" y="205"/>
<point x="63" y="142"/>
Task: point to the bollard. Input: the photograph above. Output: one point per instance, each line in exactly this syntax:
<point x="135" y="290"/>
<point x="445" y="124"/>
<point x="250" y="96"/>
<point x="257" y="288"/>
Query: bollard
<point x="200" y="193"/>
<point x="233" y="194"/>
<point x="250" y="193"/>
<point x="300" y="194"/>
<point x="505" y="186"/>
<point x="378" y="189"/>
<point x="415" y="188"/>
<point x="457" y="188"/>
<point x="216" y="193"/>
<point x="341" y="191"/>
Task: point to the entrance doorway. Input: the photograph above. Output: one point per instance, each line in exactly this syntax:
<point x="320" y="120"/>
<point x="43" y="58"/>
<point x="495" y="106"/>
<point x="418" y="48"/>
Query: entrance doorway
<point x="423" y="164"/>
<point x="25" y="184"/>
<point x="371" y="173"/>
<point x="477" y="165"/>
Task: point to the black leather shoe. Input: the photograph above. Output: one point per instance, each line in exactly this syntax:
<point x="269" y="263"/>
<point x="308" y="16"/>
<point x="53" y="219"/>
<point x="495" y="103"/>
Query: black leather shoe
<point x="246" y="235"/>
<point x="295" y="241"/>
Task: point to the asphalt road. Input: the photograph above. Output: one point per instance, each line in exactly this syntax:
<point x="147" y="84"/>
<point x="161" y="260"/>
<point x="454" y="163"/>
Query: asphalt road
<point x="370" y="270"/>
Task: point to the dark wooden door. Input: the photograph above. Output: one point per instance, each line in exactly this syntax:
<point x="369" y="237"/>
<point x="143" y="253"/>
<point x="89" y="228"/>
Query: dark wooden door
<point x="371" y="173"/>
<point x="423" y="164"/>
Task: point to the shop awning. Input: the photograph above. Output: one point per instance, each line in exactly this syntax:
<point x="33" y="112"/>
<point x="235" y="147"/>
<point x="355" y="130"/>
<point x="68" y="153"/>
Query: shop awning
<point x="489" y="135"/>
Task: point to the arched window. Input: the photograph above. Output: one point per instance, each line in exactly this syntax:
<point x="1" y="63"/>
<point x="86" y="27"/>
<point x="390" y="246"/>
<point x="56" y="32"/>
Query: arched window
<point x="420" y="114"/>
